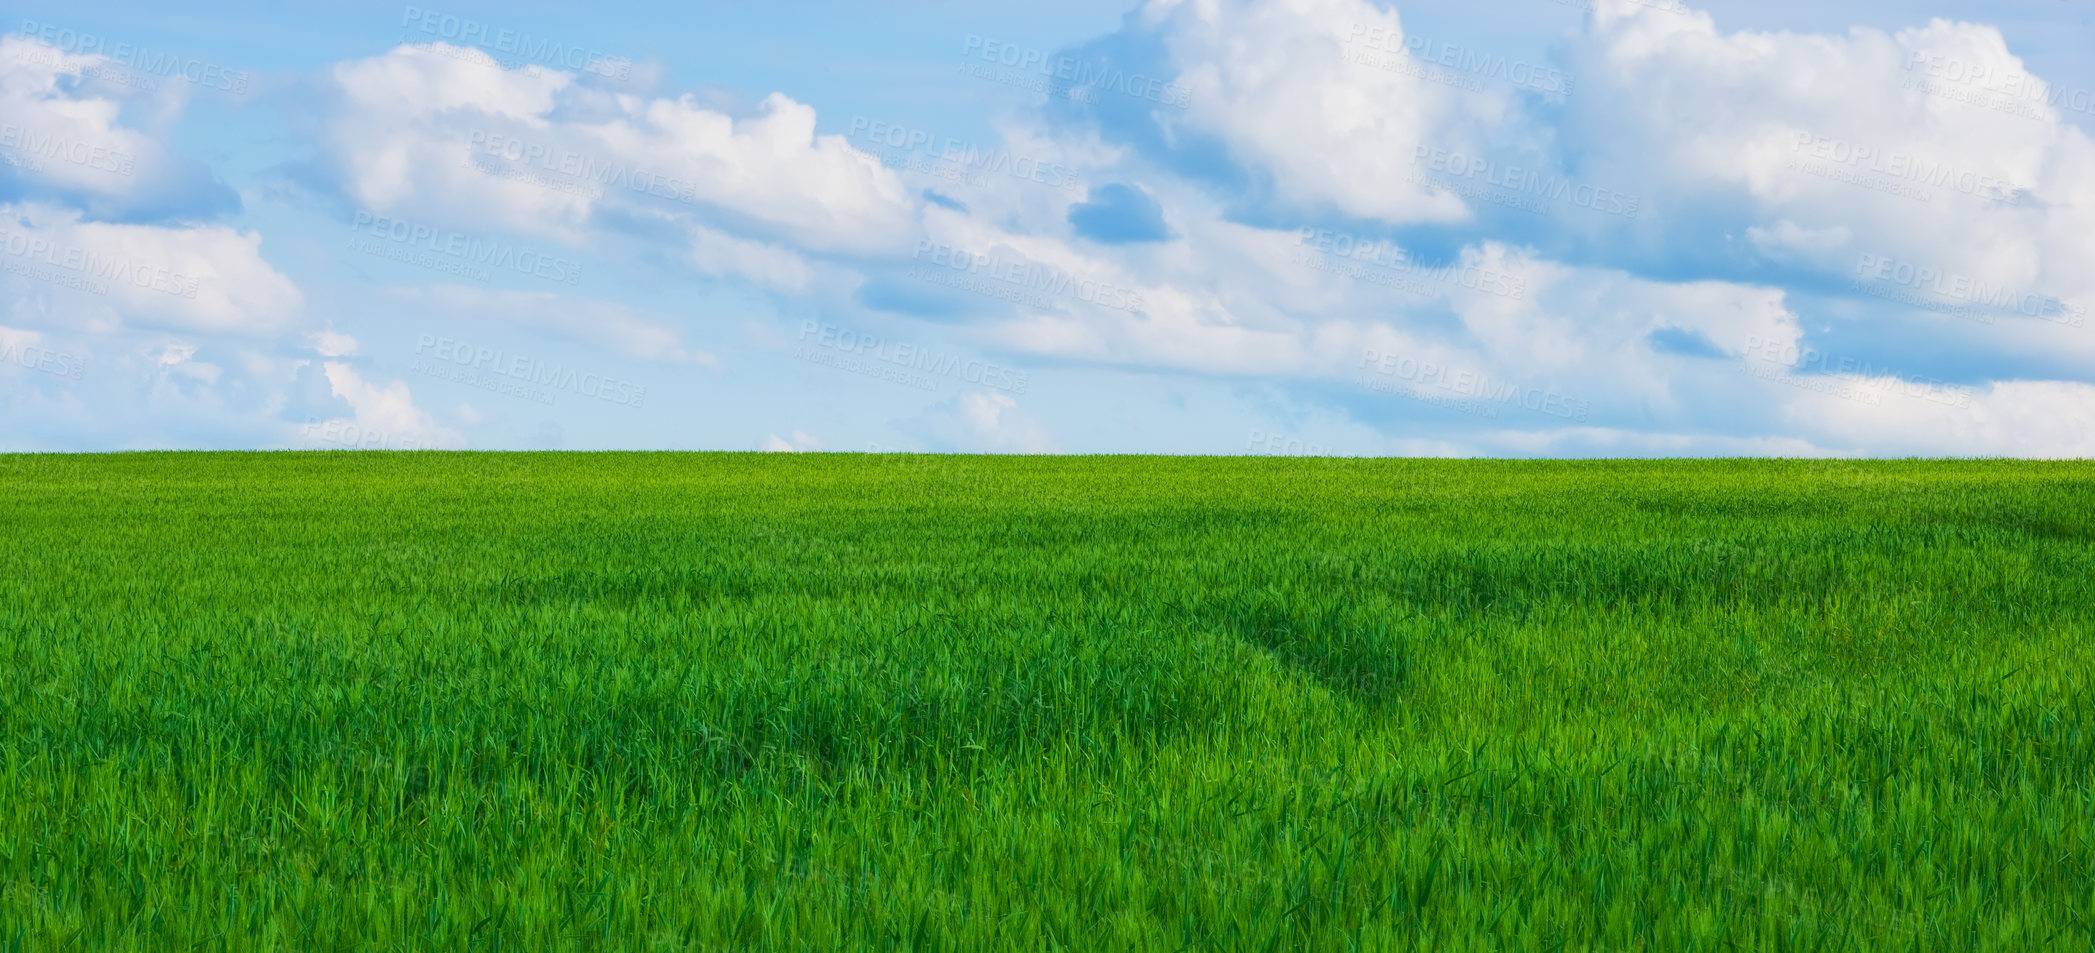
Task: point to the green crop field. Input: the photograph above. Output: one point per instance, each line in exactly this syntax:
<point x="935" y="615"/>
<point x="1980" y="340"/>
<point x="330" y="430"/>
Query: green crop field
<point x="437" y="701"/>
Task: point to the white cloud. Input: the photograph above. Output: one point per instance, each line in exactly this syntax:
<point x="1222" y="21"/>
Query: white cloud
<point x="445" y="131"/>
<point x="385" y="416"/>
<point x="983" y="421"/>
<point x="615" y="327"/>
<point x="2053" y="419"/>
<point x="1740" y="156"/>
<point x="58" y="128"/>
<point x="84" y="129"/>
<point x="1787" y="240"/>
<point x="799" y="442"/>
<point x="719" y="254"/>
<point x="1302" y="89"/>
<point x="199" y="277"/>
<point x="330" y="344"/>
<point x="1836" y="146"/>
<point x="1237" y="300"/>
<point x="600" y="323"/>
<point x="1773" y="168"/>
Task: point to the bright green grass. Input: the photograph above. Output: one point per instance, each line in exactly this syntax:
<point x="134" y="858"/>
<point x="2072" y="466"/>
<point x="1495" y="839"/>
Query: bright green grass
<point x="724" y="702"/>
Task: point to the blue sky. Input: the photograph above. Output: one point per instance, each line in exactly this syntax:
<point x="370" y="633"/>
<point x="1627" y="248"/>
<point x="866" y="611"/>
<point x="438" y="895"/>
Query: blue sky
<point x="1516" y="228"/>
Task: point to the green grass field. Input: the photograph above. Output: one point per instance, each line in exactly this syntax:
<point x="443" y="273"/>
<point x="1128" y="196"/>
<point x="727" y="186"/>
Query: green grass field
<point x="363" y="701"/>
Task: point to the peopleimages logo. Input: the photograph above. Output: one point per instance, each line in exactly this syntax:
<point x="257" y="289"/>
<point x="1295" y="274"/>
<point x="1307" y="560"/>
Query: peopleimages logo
<point x="1481" y="389"/>
<point x="1282" y="445"/>
<point x="912" y="357"/>
<point x="2013" y="86"/>
<point x="466" y="249"/>
<point x="584" y="171"/>
<point x="346" y="433"/>
<point x="1902" y="167"/>
<point x="54" y="363"/>
<point x="1541" y="78"/>
<point x="1518" y="183"/>
<point x="1840" y="371"/>
<point x="525" y="48"/>
<point x="133" y="56"/>
<point x="1071" y="73"/>
<point x="961" y="154"/>
<point x="1951" y="286"/>
<point x="531" y="371"/>
<point x="1393" y="259"/>
<point x="84" y="154"/>
<point x="1020" y="275"/>
<point x="95" y="265"/>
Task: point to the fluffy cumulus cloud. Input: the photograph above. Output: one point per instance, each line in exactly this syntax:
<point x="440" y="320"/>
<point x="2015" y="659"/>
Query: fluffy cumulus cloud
<point x="136" y="321"/>
<point x="447" y="131"/>
<point x="382" y="416"/>
<point x="1320" y="97"/>
<point x="797" y="442"/>
<point x="618" y="328"/>
<point x="1836" y="154"/>
<point x="980" y="420"/>
<point x="2010" y="418"/>
<point x="1684" y="146"/>
<point x="63" y="269"/>
<point x="56" y="138"/>
<point x="77" y="127"/>
<point x="1663" y="234"/>
<point x="716" y="253"/>
<point x="1674" y="228"/>
<point x="102" y="222"/>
